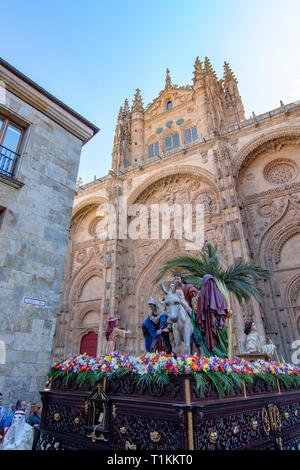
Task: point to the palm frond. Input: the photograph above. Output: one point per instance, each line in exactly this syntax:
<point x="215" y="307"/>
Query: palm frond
<point x="240" y="278"/>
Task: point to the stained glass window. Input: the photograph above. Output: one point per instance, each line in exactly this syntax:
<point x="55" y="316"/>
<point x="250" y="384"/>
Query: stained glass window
<point x="175" y="141"/>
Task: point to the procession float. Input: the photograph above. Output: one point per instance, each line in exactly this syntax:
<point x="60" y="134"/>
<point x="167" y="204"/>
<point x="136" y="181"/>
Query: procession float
<point x="199" y="399"/>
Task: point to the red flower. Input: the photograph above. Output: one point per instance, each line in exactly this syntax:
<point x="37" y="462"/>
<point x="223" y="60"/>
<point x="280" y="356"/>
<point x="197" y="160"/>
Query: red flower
<point x="195" y="366"/>
<point x="169" y="367"/>
<point x="106" y="368"/>
<point x="155" y="359"/>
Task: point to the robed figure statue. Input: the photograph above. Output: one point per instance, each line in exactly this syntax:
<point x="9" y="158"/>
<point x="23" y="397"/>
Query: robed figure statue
<point x="156" y="329"/>
<point x="210" y="319"/>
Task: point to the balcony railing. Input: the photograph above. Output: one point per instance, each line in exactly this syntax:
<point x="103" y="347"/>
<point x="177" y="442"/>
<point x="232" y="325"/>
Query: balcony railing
<point x="8" y="161"/>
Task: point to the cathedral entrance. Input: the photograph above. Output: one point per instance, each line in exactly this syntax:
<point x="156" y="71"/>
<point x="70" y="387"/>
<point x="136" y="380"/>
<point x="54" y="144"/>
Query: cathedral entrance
<point x="88" y="344"/>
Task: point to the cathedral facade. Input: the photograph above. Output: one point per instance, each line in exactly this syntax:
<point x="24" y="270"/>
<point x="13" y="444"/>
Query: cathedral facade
<point x="191" y="144"/>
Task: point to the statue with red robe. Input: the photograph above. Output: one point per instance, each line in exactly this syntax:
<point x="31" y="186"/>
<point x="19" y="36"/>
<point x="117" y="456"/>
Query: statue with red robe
<point x="210" y="319"/>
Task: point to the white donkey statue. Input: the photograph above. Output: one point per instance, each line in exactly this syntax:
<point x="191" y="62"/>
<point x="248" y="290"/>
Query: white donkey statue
<point x="180" y="314"/>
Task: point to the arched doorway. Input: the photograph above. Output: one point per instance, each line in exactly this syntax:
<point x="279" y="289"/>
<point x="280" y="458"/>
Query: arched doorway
<point x="88" y="344"/>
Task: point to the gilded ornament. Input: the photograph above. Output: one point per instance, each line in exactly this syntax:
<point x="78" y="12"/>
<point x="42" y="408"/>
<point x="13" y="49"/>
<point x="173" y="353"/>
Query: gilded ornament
<point x="57" y="417"/>
<point x="94" y="438"/>
<point x="114" y="411"/>
<point x="86" y="406"/>
<point x="213" y="436"/>
<point x="296" y="412"/>
<point x="123" y="430"/>
<point x="286" y="416"/>
<point x="265" y="420"/>
<point x="236" y="430"/>
<point x="254" y="425"/>
<point x="275" y="418"/>
<point x="77" y="420"/>
<point x="129" y="446"/>
<point x="155" y="436"/>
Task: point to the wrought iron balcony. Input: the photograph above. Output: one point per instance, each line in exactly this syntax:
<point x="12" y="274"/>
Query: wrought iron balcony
<point x="8" y="161"/>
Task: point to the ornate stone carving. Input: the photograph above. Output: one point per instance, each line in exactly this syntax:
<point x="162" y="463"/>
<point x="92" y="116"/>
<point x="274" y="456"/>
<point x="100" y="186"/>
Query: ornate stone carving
<point x="280" y="171"/>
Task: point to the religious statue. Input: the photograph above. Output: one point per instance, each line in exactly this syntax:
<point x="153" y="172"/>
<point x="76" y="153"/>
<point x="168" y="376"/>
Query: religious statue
<point x="210" y="319"/>
<point x="253" y="343"/>
<point x="18" y="436"/>
<point x="190" y="293"/>
<point x="156" y="329"/>
<point x="111" y="335"/>
<point x="180" y="314"/>
<point x="174" y="286"/>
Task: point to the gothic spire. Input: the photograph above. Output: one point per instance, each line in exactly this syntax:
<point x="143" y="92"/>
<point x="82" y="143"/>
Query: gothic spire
<point x="137" y="104"/>
<point x="209" y="69"/>
<point x="228" y="73"/>
<point x="126" y="110"/>
<point x="120" y="113"/>
<point x="198" y="72"/>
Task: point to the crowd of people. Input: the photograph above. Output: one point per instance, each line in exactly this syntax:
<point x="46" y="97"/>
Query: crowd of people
<point x="16" y="427"/>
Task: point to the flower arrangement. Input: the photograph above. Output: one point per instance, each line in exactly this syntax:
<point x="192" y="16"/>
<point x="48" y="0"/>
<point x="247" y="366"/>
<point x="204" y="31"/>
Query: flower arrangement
<point x="159" y="367"/>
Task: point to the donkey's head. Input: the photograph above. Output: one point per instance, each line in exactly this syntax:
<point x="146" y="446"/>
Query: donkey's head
<point x="171" y="302"/>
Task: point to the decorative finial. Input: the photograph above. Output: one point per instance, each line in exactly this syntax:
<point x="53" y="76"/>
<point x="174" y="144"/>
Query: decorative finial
<point x="79" y="183"/>
<point x="137" y="104"/>
<point x="168" y="79"/>
<point x="198" y="72"/>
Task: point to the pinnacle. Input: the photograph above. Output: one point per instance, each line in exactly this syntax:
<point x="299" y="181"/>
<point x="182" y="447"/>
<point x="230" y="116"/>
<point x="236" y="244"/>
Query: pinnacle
<point x="120" y="113"/>
<point x="168" y="79"/>
<point x="198" y="72"/>
<point x="126" y="110"/>
<point x="228" y="73"/>
<point x="137" y="104"/>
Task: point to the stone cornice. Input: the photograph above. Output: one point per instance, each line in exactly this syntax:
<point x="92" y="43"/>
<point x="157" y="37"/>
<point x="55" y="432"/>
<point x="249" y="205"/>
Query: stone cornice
<point x="28" y="91"/>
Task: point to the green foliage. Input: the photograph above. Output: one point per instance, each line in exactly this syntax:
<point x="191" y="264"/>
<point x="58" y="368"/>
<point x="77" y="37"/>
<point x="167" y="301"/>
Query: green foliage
<point x="241" y="278"/>
<point x="223" y="383"/>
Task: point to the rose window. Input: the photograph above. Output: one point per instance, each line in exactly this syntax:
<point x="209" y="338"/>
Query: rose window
<point x="280" y="171"/>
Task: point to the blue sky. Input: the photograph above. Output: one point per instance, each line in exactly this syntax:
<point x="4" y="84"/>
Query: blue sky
<point x="94" y="54"/>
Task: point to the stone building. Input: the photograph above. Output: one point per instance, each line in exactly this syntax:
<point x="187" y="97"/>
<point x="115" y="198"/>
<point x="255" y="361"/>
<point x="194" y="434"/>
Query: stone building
<point x="192" y="143"/>
<point x="40" y="145"/>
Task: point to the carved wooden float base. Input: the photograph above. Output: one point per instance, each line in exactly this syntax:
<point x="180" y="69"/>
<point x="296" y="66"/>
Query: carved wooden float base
<point x="120" y="414"/>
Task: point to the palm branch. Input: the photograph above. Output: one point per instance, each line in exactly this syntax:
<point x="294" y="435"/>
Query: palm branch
<point x="240" y="278"/>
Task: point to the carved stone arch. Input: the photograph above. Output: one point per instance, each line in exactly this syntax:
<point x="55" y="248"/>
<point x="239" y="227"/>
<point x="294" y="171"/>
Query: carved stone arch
<point x="292" y="290"/>
<point x="89" y="306"/>
<point x="266" y="235"/>
<point x="81" y="209"/>
<point x="202" y="173"/>
<point x="291" y="294"/>
<point x="276" y="242"/>
<point x="274" y="139"/>
<point x="81" y="278"/>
